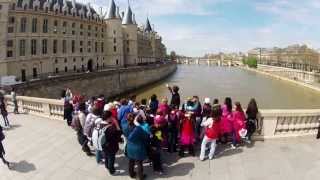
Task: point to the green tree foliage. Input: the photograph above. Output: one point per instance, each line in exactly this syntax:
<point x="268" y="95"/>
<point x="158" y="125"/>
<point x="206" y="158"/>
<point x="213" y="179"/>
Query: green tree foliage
<point x="252" y="62"/>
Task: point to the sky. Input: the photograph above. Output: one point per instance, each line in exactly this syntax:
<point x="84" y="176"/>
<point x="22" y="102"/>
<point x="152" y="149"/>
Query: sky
<point x="197" y="27"/>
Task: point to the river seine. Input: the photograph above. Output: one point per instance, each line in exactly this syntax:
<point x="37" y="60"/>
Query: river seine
<point x="239" y="84"/>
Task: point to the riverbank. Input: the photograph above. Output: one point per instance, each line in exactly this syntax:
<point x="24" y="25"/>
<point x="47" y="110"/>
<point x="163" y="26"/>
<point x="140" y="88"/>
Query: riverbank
<point x="111" y="83"/>
<point x="270" y="74"/>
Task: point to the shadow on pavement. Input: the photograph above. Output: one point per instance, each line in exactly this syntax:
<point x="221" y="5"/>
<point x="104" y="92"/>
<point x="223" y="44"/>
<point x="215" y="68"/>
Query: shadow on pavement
<point x="23" y="166"/>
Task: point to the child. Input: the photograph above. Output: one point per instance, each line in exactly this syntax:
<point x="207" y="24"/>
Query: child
<point x="2" y="152"/>
<point x="173" y="122"/>
<point x="212" y="132"/>
<point x="227" y="121"/>
<point x="161" y="123"/>
<point x="155" y="150"/>
<point x="187" y="136"/>
<point x="238" y="122"/>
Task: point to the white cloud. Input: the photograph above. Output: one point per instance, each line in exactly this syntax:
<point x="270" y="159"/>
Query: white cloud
<point x="302" y="12"/>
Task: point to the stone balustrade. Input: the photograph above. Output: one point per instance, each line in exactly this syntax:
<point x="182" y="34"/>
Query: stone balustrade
<point x="289" y="123"/>
<point x="49" y="108"/>
<point x="274" y="123"/>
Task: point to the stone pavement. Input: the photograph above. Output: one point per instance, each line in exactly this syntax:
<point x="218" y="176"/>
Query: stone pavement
<point x="43" y="149"/>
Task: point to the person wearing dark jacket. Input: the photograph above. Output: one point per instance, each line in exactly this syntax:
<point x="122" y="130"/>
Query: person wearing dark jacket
<point x="2" y="151"/>
<point x="111" y="146"/>
<point x="4" y="112"/>
<point x="68" y="110"/>
<point x="136" y="148"/>
<point x="175" y="96"/>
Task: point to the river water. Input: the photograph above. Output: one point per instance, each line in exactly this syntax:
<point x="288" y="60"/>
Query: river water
<point x="239" y="84"/>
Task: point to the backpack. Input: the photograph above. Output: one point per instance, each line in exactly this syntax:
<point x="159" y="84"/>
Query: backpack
<point x="102" y="139"/>
<point x="75" y="124"/>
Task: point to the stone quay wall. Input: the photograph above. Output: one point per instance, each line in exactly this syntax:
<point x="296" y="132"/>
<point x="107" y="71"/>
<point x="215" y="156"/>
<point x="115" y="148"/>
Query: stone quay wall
<point x="111" y="82"/>
<point x="284" y="75"/>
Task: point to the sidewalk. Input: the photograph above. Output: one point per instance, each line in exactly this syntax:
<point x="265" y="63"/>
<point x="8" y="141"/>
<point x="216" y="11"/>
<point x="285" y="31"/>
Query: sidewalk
<point x="43" y="149"/>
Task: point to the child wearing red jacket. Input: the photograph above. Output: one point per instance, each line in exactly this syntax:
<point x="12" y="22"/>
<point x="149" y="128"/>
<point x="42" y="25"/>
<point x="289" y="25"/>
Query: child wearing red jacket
<point x="187" y="134"/>
<point x="212" y="132"/>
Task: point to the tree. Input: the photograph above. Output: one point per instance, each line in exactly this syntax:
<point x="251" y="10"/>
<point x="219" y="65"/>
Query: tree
<point x="173" y="55"/>
<point x="252" y="62"/>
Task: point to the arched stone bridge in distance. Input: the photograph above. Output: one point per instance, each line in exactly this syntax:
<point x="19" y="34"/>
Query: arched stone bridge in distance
<point x="209" y="61"/>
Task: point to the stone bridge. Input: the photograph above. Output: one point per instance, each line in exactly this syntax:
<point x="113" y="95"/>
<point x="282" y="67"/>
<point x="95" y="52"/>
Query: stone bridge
<point x="41" y="146"/>
<point x="209" y="62"/>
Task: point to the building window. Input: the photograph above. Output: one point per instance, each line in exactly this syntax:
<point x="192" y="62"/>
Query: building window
<point x="11" y="20"/>
<point x="74" y="59"/>
<point x="65" y="69"/>
<point x="13" y="7"/>
<point x="128" y="49"/>
<point x="117" y="62"/>
<point x="114" y="32"/>
<point x="65" y="60"/>
<point x="23" y="24"/>
<point x="0" y="6"/>
<point x="73" y="32"/>
<point x="9" y="53"/>
<point x="34" y="73"/>
<point x="10" y="29"/>
<point x="55" y="29"/>
<point x="45" y="26"/>
<point x="65" y="24"/>
<point x="74" y="68"/>
<point x="55" y="46"/>
<point x="9" y="43"/>
<point x="22" y="47"/>
<point x="33" y="46"/>
<point x="73" y="25"/>
<point x="23" y="75"/>
<point x="56" y="61"/>
<point x="64" y="46"/>
<point x="102" y="47"/>
<point x="96" y="46"/>
<point x="89" y="46"/>
<point x="81" y="26"/>
<point x="57" y="70"/>
<point x="34" y="25"/>
<point x="114" y="40"/>
<point x="73" y="44"/>
<point x="44" y="46"/>
<point x="115" y="48"/>
<point x="89" y="27"/>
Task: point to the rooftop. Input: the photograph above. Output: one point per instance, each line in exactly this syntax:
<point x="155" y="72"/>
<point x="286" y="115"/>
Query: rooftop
<point x="47" y="149"/>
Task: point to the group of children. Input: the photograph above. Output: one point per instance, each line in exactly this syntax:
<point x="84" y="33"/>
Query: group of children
<point x="148" y="128"/>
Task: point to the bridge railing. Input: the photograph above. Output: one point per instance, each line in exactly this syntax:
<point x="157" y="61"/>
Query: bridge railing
<point x="274" y="123"/>
<point x="289" y="123"/>
<point x="48" y="108"/>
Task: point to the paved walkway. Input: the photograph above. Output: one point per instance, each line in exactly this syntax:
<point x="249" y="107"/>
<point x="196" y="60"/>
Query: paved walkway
<point x="47" y="149"/>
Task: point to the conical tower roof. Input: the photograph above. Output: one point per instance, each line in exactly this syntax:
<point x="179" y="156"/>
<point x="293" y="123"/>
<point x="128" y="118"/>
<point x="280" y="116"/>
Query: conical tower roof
<point x="112" y="10"/>
<point x="148" y="26"/>
<point x="127" y="19"/>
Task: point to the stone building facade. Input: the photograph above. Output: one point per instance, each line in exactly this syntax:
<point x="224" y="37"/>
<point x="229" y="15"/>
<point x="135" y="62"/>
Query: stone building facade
<point x="295" y="56"/>
<point x="51" y="37"/>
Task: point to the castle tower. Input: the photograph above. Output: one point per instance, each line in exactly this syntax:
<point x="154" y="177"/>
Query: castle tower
<point x="152" y="36"/>
<point x="130" y="43"/>
<point x="114" y="38"/>
<point x="4" y="11"/>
